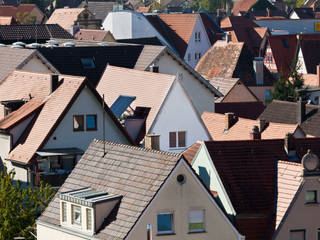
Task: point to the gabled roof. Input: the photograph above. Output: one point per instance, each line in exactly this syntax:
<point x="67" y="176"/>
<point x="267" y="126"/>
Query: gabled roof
<point x="65" y="17"/>
<point x="309" y="44"/>
<point x="213" y="30"/>
<point x="173" y="28"/>
<point x="148" y="54"/>
<point x="146" y="171"/>
<point x="100" y="9"/>
<point x="32" y="33"/>
<point x="250" y="110"/>
<point x="191" y="151"/>
<point x="68" y="59"/>
<point x="241" y="129"/>
<point x="243" y="6"/>
<point x="289" y="180"/>
<point x="55" y="106"/>
<point x="284" y="50"/>
<point x="91" y="34"/>
<point x="150" y="89"/>
<point x="224" y="85"/>
<point x="286" y="112"/>
<point x="6" y="20"/>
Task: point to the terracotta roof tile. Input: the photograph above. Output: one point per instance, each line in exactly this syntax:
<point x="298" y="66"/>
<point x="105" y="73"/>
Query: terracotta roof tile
<point x="243" y="6"/>
<point x="152" y="94"/>
<point x="54" y="105"/>
<point x="242" y="128"/>
<point x="147" y="56"/>
<point x="289" y="180"/>
<point x="100" y="9"/>
<point x="11" y="11"/>
<point x="311" y="80"/>
<point x="6" y="20"/>
<point x="224" y="85"/>
<point x="143" y="9"/>
<point x="15" y="117"/>
<point x="91" y="34"/>
<point x="145" y="173"/>
<point x="65" y="17"/>
<point x="255" y="228"/>
<point x="191" y="151"/>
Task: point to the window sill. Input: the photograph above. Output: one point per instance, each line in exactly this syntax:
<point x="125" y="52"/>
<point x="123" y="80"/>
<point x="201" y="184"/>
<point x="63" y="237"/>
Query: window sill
<point x="165" y="234"/>
<point x="311" y="203"/>
<point x="194" y="232"/>
<point x="177" y="148"/>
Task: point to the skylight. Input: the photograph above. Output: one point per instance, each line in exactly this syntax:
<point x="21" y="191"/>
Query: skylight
<point x="88" y="63"/>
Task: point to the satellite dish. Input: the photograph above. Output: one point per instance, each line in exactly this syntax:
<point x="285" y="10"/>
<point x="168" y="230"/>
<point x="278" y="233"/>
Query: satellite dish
<point x="310" y="161"/>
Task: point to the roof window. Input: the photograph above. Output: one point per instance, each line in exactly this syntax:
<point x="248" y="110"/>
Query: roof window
<point x="285" y="43"/>
<point x="88" y="63"/>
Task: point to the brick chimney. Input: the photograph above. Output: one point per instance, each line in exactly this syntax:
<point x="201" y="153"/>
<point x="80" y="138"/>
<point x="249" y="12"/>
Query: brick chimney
<point x="228" y="37"/>
<point x="229" y="120"/>
<point x="301" y="111"/>
<point x="255" y="133"/>
<point x="258" y="70"/>
<point x="318" y="75"/>
<point x="152" y="141"/>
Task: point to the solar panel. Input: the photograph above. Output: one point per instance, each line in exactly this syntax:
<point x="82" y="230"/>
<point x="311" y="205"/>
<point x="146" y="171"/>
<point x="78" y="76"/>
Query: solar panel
<point x="121" y="104"/>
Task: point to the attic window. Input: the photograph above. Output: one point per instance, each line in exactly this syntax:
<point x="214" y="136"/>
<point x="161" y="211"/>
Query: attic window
<point x="76" y="215"/>
<point x="88" y="63"/>
<point x="285" y="43"/>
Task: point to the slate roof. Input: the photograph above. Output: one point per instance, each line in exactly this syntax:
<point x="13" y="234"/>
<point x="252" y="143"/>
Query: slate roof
<point x="231" y="60"/>
<point x="310" y="43"/>
<point x="224" y="85"/>
<point x="135" y="173"/>
<point x="99" y="8"/>
<point x="65" y="17"/>
<point x="32" y="33"/>
<point x="250" y="110"/>
<point x="68" y="60"/>
<point x="155" y="88"/>
<point x="242" y="127"/>
<point x="284" y="50"/>
<point x="286" y="112"/>
<point x="289" y="180"/>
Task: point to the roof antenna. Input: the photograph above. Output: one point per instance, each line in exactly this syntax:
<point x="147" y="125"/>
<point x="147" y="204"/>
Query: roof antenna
<point x="103" y="126"/>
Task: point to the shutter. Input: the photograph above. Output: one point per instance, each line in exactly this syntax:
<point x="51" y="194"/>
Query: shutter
<point x="181" y="139"/>
<point x="172" y="139"/>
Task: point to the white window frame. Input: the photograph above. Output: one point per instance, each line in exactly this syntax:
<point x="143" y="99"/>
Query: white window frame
<point x="89" y="225"/>
<point x="73" y="222"/>
<point x="64" y="212"/>
<point x="172" y="224"/>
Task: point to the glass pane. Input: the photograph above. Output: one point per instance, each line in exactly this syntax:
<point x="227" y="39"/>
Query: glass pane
<point x="87" y="63"/>
<point x="164" y="222"/>
<point x="181" y="139"/>
<point x="91" y="122"/>
<point x="64" y="212"/>
<point x="76" y="215"/>
<point x="196" y="219"/>
<point x="78" y="122"/>
<point x="311" y="196"/>
<point x="89" y="222"/>
<point x="172" y="139"/>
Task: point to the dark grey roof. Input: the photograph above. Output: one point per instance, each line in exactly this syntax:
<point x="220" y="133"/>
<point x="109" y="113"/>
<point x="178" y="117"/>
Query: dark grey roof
<point x="304" y="13"/>
<point x="99" y="8"/>
<point x="147" y="56"/>
<point x="135" y="173"/>
<point x="287" y="112"/>
<point x="32" y="33"/>
<point x="224" y="85"/>
<point x="143" y="41"/>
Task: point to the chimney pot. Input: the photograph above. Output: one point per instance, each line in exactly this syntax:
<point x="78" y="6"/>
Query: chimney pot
<point x="229" y="120"/>
<point x="255" y="134"/>
<point x="152" y="141"/>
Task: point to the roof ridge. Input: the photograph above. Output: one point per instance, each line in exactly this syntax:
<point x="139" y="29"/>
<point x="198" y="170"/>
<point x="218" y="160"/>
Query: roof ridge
<point x="137" y="148"/>
<point x="290" y="163"/>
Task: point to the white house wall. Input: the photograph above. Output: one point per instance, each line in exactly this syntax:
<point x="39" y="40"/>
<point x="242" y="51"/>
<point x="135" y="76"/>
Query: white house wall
<point x="294" y="15"/>
<point x="197" y="47"/>
<point x="5" y="145"/>
<point x="86" y="103"/>
<point x="177" y="114"/>
<point x="200" y="95"/>
<point x="18" y="130"/>
<point x="35" y="65"/>
<point x="301" y="63"/>
<point x="204" y="167"/>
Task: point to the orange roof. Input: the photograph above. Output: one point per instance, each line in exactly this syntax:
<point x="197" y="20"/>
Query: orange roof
<point x="191" y="151"/>
<point x="22" y="113"/>
<point x="143" y="9"/>
<point x="54" y="107"/>
<point x="11" y="11"/>
<point x="65" y="17"/>
<point x="150" y="89"/>
<point x="91" y="34"/>
<point x="243" y="6"/>
<point x="289" y="180"/>
<point x="311" y="80"/>
<point x="6" y="20"/>
<point x="241" y="129"/>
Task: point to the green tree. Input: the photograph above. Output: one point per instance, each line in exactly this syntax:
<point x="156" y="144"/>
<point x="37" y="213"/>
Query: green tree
<point x="26" y="18"/>
<point x="295" y="3"/>
<point x="286" y="87"/>
<point x="212" y="5"/>
<point x="19" y="207"/>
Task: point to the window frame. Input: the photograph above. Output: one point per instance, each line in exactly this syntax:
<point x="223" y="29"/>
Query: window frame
<point x="73" y="222"/>
<point x="95" y="120"/>
<point x="315" y="197"/>
<point x="88" y="224"/>
<point x="172" y="224"/>
<point x="83" y="123"/>
<point x="298" y="230"/>
<point x="177" y="142"/>
<point x="64" y="212"/>
<point x="203" y="221"/>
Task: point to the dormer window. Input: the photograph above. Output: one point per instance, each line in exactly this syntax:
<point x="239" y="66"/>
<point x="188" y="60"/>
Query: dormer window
<point x="88" y="63"/>
<point x="76" y="215"/>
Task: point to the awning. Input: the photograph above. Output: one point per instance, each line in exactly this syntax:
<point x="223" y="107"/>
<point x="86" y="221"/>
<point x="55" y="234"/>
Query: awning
<point x="59" y="152"/>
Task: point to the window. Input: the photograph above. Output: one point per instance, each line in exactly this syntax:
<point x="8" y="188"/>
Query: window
<point x="87" y="63"/>
<point x="199" y="55"/>
<point x="91" y="122"/>
<point x="267" y="95"/>
<point x="311" y="196"/>
<point x="285" y="43"/>
<point x="195" y="56"/>
<point x="64" y="211"/>
<point x="89" y="218"/>
<point x="199" y="36"/>
<point x="196" y="221"/>
<point x="78" y="123"/>
<point x="177" y="139"/>
<point x="165" y="223"/>
<point x="76" y="215"/>
<point x="189" y="57"/>
<point x="297" y="234"/>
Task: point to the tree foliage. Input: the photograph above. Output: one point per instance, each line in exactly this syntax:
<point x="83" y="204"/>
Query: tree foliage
<point x="42" y="4"/>
<point x="287" y="84"/>
<point x="295" y="3"/>
<point x="212" y="5"/>
<point x="19" y="207"/>
<point x="26" y="18"/>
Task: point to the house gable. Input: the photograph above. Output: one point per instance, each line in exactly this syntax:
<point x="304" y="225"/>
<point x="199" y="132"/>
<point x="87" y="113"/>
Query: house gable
<point x="240" y="93"/>
<point x="179" y="199"/>
<point x="177" y="113"/>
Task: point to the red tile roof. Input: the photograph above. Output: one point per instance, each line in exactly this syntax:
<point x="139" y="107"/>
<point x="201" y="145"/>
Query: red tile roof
<point x="255" y="228"/>
<point x="65" y="17"/>
<point x="91" y="35"/>
<point x="143" y="9"/>
<point x="191" y="151"/>
<point x="243" y="6"/>
<point x="11" y="11"/>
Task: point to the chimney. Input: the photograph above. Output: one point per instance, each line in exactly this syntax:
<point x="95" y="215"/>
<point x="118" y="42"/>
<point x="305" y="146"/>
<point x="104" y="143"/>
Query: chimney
<point x="255" y="134"/>
<point x="152" y="141"/>
<point x="262" y="125"/>
<point x="229" y="120"/>
<point x="228" y="37"/>
<point x="301" y="111"/>
<point x="54" y="82"/>
<point x="318" y="75"/>
<point x="258" y="70"/>
<point x="154" y="68"/>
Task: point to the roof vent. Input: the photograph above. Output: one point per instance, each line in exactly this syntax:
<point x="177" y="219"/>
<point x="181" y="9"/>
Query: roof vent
<point x="16" y="46"/>
<point x="103" y="44"/>
<point x="2" y="45"/>
<point x="22" y="44"/>
<point x="181" y="179"/>
<point x="33" y="45"/>
<point x="53" y="42"/>
<point x="69" y="44"/>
